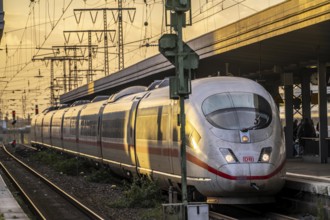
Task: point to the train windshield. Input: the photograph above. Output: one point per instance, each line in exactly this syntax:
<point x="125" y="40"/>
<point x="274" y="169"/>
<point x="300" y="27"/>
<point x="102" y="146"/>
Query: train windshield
<point x="237" y="111"/>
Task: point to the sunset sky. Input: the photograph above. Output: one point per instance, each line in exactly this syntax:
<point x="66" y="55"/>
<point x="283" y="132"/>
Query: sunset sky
<point x="32" y="27"/>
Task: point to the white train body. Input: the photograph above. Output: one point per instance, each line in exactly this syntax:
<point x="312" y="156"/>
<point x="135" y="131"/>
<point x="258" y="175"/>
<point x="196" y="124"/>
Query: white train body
<point x="235" y="143"/>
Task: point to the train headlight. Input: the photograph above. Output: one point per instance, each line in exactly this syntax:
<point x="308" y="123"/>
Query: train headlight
<point x="245" y="139"/>
<point x="265" y="154"/>
<point x="228" y="155"/>
<point x="265" y="157"/>
<point x="230" y="158"/>
<point x="244" y="136"/>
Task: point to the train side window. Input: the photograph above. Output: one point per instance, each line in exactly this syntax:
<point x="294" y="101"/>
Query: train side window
<point x="88" y="126"/>
<point x="82" y="126"/>
<point x="152" y="123"/>
<point x="66" y="126"/>
<point x="55" y="122"/>
<point x="73" y="121"/>
<point x="175" y="128"/>
<point x="114" y="124"/>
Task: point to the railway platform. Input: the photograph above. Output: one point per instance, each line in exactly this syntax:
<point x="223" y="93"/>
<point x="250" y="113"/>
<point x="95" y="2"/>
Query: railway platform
<point x="308" y="177"/>
<point x="9" y="208"/>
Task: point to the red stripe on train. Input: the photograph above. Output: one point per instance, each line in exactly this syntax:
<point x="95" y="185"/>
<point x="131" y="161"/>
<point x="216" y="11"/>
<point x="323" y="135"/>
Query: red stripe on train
<point x="192" y="159"/>
<point x="204" y="165"/>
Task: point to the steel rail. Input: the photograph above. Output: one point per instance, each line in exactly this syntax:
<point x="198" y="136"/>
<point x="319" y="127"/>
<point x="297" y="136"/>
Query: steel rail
<point x="33" y="208"/>
<point x="65" y="195"/>
<point x="30" y="147"/>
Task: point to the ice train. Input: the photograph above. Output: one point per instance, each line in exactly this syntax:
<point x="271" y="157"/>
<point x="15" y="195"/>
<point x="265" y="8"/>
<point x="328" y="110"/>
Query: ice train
<point x="235" y="143"/>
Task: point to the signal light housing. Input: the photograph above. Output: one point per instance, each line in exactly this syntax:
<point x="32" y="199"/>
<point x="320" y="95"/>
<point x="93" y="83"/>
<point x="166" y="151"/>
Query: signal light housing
<point x="13" y="113"/>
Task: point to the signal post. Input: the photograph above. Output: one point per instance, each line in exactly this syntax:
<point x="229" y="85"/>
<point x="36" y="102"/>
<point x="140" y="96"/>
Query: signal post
<point x="185" y="60"/>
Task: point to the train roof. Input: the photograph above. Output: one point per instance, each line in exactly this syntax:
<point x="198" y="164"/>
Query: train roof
<point x="100" y="98"/>
<point x="52" y="108"/>
<point x="158" y="84"/>
<point x="80" y="102"/>
<point x="211" y="85"/>
<point x="126" y="92"/>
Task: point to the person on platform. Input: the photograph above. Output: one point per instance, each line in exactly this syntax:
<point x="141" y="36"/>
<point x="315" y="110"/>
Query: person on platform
<point x="295" y="129"/>
<point x="305" y="129"/>
<point x="13" y="143"/>
<point x="317" y="129"/>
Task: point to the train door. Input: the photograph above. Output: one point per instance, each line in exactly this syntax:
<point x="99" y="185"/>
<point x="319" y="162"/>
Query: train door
<point x="62" y="129"/>
<point x="34" y="129"/>
<point x="99" y="129"/>
<point x="42" y="130"/>
<point x="153" y="136"/>
<point x="175" y="143"/>
<point x="68" y="130"/>
<point x="50" y="129"/>
<point x="131" y="132"/>
<point x="170" y="136"/>
<point x="89" y="127"/>
<point x="77" y="127"/>
<point x="46" y="128"/>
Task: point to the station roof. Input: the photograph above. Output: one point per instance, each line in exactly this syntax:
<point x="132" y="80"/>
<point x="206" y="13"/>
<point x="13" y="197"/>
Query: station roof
<point x="290" y="36"/>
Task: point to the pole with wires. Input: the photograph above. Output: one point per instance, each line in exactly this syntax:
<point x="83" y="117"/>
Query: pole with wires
<point x="185" y="60"/>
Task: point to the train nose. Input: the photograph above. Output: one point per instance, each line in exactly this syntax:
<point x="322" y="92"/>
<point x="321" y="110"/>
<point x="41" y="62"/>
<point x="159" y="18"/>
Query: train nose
<point x="244" y="178"/>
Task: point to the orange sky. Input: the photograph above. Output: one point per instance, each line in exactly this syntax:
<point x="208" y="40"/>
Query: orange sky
<point x="41" y="24"/>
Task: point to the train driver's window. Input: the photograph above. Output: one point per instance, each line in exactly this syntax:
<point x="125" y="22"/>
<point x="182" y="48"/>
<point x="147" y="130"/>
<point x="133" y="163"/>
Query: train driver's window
<point x="237" y="111"/>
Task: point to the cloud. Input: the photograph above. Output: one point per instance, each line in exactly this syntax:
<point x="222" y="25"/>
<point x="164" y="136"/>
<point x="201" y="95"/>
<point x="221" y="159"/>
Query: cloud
<point x="14" y="21"/>
<point x="12" y="39"/>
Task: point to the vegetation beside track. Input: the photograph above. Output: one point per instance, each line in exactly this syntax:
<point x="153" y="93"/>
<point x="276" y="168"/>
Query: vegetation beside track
<point x="64" y="164"/>
<point x="137" y="194"/>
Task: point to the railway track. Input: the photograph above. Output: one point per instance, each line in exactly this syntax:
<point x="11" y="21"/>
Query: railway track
<point x="238" y="212"/>
<point x="45" y="199"/>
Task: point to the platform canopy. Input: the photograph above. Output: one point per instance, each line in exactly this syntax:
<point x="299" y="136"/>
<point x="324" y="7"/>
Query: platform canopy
<point x="289" y="37"/>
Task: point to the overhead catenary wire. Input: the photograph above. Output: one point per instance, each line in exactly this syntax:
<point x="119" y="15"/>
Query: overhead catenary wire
<point x="216" y="12"/>
<point x="1" y="93"/>
<point x="148" y="40"/>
